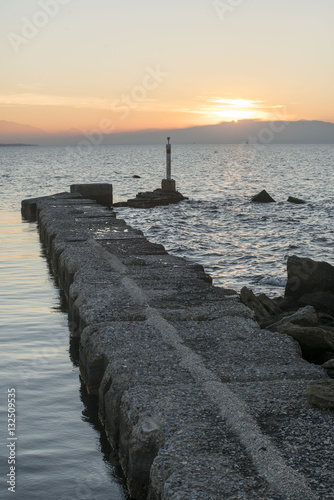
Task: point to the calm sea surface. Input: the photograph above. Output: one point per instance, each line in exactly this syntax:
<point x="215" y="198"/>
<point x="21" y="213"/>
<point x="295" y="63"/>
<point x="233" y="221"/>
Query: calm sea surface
<point x="61" y="453"/>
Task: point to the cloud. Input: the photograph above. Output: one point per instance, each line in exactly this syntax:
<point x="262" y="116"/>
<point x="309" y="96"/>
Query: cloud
<point x="35" y="99"/>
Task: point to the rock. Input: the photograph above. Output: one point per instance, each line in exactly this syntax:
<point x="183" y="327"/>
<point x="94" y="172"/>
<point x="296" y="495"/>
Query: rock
<point x="286" y="303"/>
<point x="263" y="197"/>
<point x="308" y="276"/>
<point x="306" y="316"/>
<point x="322" y="301"/>
<point x="269" y="304"/>
<point x="136" y="177"/>
<point x="321" y="393"/>
<point x="262" y="305"/>
<point x="310" y="337"/>
<point x="250" y="300"/>
<point x="326" y="319"/>
<point x="297" y="201"/>
<point x="271" y="320"/>
<point x="120" y="204"/>
<point x="329" y="367"/>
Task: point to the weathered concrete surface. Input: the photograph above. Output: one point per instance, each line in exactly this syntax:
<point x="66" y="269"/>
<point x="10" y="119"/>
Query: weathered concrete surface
<point x="101" y="193"/>
<point x="199" y="402"/>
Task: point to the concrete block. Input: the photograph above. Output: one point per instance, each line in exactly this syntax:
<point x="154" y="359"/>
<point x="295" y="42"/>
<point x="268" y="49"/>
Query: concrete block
<point x="168" y="185"/>
<point x="101" y="193"/>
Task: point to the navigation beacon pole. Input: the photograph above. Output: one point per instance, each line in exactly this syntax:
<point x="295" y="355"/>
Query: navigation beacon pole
<point x="168" y="184"/>
<point x="168" y="158"/>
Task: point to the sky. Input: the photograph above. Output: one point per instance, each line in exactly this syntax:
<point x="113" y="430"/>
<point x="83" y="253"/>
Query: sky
<point x="114" y="66"/>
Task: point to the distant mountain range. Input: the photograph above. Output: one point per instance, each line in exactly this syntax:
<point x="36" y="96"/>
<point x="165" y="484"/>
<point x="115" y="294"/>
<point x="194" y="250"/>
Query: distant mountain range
<point x="243" y="131"/>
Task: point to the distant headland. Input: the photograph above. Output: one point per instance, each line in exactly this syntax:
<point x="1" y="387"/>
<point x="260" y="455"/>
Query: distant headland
<point x="235" y="132"/>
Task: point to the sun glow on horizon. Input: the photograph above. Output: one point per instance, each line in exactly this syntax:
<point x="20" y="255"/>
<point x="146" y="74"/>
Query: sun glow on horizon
<point x="239" y="109"/>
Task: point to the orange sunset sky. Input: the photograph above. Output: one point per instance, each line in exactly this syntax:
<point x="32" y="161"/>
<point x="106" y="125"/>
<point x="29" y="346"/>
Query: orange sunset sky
<point x="115" y="66"/>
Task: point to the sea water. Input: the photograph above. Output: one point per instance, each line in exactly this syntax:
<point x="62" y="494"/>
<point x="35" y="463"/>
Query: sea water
<point x="60" y="451"/>
<point x="50" y="433"/>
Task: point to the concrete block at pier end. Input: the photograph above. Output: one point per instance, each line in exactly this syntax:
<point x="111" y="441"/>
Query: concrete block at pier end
<point x="101" y="193"/>
<point x="168" y="185"/>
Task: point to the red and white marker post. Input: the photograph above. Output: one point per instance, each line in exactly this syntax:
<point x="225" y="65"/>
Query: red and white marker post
<point x="168" y="184"/>
<point x="169" y="158"/>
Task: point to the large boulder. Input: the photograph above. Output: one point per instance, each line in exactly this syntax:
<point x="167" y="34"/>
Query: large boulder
<point x="310" y="337"/>
<point x="263" y="197"/>
<point x="307" y="276"/>
<point x="306" y="316"/>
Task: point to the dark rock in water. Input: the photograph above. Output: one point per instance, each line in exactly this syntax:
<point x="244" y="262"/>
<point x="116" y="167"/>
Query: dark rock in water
<point x="136" y="176"/>
<point x="120" y="204"/>
<point x="322" y="301"/>
<point x="158" y="197"/>
<point x="263" y="197"/>
<point x="321" y="393"/>
<point x="297" y="201"/>
<point x="307" y="276"/>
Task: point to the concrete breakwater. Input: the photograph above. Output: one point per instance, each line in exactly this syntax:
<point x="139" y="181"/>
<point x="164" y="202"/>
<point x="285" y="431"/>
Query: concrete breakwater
<point x="198" y="401"/>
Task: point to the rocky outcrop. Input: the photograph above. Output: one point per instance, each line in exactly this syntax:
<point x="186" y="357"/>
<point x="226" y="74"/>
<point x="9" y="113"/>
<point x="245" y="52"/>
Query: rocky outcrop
<point x="306" y="313"/>
<point x="310" y="284"/>
<point x="263" y="197"/>
<point x="158" y="197"/>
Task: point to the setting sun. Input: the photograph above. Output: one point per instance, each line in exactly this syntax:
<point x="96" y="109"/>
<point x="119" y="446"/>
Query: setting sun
<point x="239" y="109"/>
<point x="222" y="109"/>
